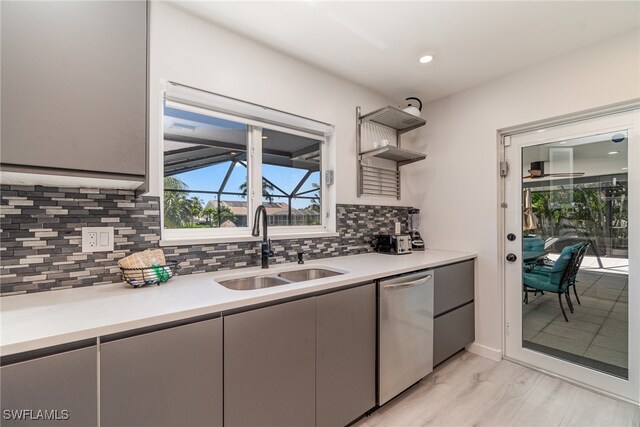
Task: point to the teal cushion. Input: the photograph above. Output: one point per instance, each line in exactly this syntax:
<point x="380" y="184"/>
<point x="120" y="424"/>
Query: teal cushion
<point x="540" y="282"/>
<point x="532" y="244"/>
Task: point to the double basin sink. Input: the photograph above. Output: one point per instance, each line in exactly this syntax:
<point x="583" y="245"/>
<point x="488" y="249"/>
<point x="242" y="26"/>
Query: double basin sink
<point x="283" y="278"/>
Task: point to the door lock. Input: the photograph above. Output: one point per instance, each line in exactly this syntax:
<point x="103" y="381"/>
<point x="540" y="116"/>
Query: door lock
<point x="511" y="257"/>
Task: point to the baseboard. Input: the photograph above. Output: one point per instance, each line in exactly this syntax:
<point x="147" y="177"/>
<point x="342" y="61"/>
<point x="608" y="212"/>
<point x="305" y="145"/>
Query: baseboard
<point x="484" y="351"/>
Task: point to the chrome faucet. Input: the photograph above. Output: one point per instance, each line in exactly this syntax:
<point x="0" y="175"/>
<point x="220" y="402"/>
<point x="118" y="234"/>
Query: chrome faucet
<point x="265" y="248"/>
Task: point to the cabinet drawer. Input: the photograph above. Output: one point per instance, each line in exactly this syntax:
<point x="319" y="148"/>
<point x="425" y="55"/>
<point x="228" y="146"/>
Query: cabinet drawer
<point x="453" y="286"/>
<point x="452" y="332"/>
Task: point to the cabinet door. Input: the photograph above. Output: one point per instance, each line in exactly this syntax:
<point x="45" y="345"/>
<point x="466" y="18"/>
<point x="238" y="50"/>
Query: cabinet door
<point x="346" y="355"/>
<point x="74" y="84"/>
<point x="269" y="366"/>
<point x="171" y="377"/>
<point x="453" y="286"/>
<point x="452" y="332"/>
<point x="64" y="385"/>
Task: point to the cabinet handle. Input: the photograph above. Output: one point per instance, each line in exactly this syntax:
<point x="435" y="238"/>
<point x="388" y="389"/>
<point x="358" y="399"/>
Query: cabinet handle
<point x="418" y="282"/>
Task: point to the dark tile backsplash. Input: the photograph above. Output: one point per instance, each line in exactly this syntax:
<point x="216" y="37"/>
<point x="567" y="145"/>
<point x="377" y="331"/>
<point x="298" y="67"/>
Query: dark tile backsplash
<point x="41" y="248"/>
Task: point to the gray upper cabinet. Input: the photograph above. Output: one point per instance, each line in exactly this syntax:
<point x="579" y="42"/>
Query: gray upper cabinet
<point x="269" y="366"/>
<point x="346" y="355"/>
<point x="170" y="377"/>
<point x="74" y="87"/>
<point x="63" y="384"/>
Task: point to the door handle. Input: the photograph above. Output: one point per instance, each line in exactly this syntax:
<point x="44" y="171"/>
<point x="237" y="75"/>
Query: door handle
<point x="511" y="257"/>
<point x="408" y="284"/>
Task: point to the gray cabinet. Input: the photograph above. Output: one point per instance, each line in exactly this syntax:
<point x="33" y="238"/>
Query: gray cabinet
<point x="61" y="386"/>
<point x="452" y="332"/>
<point x="269" y="366"/>
<point x="74" y="87"/>
<point x="302" y="363"/>
<point x="454" y="325"/>
<point x="345" y="355"/>
<point x="168" y="377"/>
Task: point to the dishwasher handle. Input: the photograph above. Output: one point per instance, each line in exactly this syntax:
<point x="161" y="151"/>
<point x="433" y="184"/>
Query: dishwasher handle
<point x="418" y="282"/>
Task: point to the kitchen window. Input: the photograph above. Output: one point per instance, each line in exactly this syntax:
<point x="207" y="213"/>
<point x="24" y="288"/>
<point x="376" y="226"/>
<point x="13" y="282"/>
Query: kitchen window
<point x="223" y="157"/>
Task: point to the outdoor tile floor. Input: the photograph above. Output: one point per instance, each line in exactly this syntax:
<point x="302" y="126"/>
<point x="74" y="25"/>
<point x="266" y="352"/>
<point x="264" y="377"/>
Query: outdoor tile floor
<point x="597" y="330"/>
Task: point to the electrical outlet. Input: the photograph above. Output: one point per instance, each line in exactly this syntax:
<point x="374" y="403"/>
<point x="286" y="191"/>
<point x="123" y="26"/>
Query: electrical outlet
<point x="398" y="227"/>
<point x="97" y="239"/>
<point x="92" y="239"/>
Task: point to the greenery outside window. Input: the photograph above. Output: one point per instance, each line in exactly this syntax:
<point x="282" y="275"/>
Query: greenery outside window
<point x="218" y="166"/>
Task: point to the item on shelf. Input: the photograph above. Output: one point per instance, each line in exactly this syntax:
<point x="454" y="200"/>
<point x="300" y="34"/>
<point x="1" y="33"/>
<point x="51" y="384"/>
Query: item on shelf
<point x="412" y="109"/>
<point x="147" y="268"/>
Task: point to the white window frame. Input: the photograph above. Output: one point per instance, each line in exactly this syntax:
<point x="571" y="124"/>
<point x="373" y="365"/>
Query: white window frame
<point x="254" y="172"/>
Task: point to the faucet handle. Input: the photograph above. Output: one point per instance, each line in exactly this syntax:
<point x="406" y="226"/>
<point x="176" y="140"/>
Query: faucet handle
<point x="268" y="249"/>
<point x="300" y="259"/>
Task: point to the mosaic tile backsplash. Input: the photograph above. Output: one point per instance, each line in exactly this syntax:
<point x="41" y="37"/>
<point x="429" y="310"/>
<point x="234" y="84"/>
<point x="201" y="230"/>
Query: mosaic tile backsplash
<point x="41" y="247"/>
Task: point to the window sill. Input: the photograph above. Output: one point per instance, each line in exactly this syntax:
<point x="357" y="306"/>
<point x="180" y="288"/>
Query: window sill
<point x="184" y="241"/>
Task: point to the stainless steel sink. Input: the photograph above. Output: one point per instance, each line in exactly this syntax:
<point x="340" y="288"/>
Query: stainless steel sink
<point x="308" y="274"/>
<point x="284" y="278"/>
<point x="253" y="282"/>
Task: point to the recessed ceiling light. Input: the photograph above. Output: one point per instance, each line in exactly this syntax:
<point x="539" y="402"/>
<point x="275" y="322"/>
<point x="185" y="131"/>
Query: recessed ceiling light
<point x="265" y="137"/>
<point x="624" y="169"/>
<point x="233" y="153"/>
<point x="426" y="59"/>
<point x="614" y="152"/>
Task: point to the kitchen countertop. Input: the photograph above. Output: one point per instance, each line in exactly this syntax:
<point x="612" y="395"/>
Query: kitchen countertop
<point x="44" y="319"/>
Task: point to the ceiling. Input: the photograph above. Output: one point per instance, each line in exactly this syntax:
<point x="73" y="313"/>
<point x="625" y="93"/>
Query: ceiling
<point x="377" y="44"/>
<point x="594" y="155"/>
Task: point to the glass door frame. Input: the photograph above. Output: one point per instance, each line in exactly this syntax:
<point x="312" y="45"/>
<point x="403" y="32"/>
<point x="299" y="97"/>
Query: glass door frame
<point x="511" y="222"/>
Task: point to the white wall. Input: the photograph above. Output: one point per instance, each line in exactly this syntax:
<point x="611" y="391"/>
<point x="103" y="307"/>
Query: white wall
<point x="457" y="186"/>
<point x="194" y="52"/>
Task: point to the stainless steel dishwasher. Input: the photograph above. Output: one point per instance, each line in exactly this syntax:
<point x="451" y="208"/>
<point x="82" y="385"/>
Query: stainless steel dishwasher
<point x="405" y="344"/>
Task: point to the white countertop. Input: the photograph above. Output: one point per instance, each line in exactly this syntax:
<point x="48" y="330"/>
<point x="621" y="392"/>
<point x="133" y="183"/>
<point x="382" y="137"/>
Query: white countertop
<point x="43" y="319"/>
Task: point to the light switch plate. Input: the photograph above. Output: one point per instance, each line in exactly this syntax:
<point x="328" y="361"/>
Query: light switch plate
<point x="97" y="239"/>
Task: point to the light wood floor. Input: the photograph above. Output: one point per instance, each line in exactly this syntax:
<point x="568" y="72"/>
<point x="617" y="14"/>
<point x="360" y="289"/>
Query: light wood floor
<point x="469" y="390"/>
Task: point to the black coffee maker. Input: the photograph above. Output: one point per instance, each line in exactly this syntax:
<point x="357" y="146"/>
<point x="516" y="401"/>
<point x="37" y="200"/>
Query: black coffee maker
<point x="417" y="244"/>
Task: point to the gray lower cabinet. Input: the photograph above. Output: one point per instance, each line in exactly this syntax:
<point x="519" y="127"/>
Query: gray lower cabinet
<point x="309" y="362"/>
<point x="170" y="377"/>
<point x="269" y="366"/>
<point x="55" y="390"/>
<point x="454" y="324"/>
<point x="452" y="332"/>
<point x="345" y="355"/>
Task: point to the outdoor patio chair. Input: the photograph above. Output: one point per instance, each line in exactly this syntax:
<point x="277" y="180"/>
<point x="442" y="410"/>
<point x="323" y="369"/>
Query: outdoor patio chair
<point x="575" y="268"/>
<point x="556" y="278"/>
